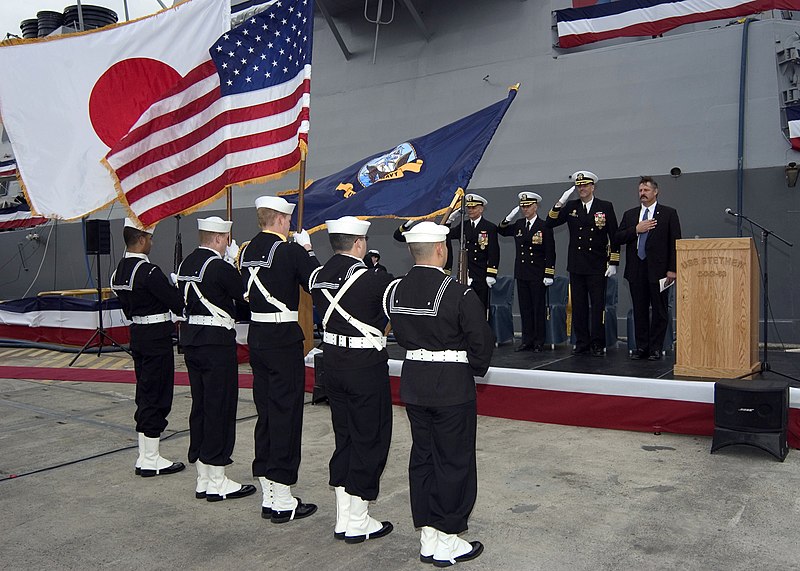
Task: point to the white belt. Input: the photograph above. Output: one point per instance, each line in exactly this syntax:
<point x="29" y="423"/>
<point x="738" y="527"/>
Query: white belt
<point x="212" y="320"/>
<point x="446" y="356"/>
<point x="351" y="342"/>
<point x="278" y="317"/>
<point x="149" y="319"/>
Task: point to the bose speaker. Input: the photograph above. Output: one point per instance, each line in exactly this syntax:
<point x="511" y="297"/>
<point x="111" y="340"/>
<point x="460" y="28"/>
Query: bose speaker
<point x="98" y="237"/>
<point x="755" y="413"/>
<point x="319" y="394"/>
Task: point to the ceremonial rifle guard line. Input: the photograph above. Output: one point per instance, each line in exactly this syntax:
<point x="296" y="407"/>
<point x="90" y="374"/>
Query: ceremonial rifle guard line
<point x="147" y="297"/>
<point x="273" y="270"/>
<point x="212" y="289"/>
<point x="349" y="296"/>
<point x="534" y="267"/>
<point x="442" y="326"/>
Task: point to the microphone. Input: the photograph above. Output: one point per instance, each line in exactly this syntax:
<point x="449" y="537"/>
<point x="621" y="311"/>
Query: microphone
<point x="731" y="212"/>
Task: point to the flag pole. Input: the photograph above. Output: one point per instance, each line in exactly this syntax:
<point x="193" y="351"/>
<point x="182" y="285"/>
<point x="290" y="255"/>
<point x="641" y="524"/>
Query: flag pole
<point x="229" y="210"/>
<point x="306" y="306"/>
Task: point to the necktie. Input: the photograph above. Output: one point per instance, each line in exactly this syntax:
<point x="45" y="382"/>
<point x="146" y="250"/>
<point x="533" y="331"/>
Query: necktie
<point x="529" y="224"/>
<point x="585" y="208"/>
<point x="643" y="237"/>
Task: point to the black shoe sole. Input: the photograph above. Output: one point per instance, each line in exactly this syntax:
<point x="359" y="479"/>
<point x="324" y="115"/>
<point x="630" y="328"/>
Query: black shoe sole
<point x="338" y="535"/>
<point x="477" y="549"/>
<point x="266" y="513"/>
<point x="385" y="530"/>
<point x="426" y="558"/>
<point x="302" y="510"/>
<point x="243" y="492"/>
<point x="174" y="469"/>
<point x="200" y="495"/>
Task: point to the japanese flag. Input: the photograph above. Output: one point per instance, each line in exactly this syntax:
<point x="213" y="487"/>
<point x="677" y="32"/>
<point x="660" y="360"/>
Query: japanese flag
<point x="67" y="100"/>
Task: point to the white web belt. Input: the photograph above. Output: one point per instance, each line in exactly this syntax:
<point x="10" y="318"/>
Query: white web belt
<point x="371" y="335"/>
<point x="218" y="317"/>
<point x="150" y="319"/>
<point x="446" y="356"/>
<point x="285" y="315"/>
<point x="352" y="342"/>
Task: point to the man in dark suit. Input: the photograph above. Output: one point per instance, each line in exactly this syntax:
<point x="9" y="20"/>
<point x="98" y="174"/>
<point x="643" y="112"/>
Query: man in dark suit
<point x="649" y="232"/>
<point x="534" y="267"/>
<point x="483" y="249"/>
<point x="593" y="256"/>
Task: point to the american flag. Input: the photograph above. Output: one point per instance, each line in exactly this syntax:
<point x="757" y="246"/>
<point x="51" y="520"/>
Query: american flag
<point x="241" y="116"/>
<point x="8" y="167"/>
<point x="793" y="119"/>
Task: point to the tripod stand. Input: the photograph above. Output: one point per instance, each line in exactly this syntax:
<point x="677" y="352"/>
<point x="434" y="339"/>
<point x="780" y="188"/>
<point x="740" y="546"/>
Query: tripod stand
<point x="765" y="234"/>
<point x="100" y="333"/>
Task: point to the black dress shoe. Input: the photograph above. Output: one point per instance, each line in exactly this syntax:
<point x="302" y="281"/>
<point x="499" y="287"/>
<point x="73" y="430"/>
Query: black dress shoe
<point x="243" y="492"/>
<point x="385" y="530"/>
<point x="638" y="354"/>
<point x="176" y="467"/>
<point x="302" y="510"/>
<point x="338" y="535"/>
<point x="200" y="495"/>
<point x="580" y="351"/>
<point x="425" y="558"/>
<point x="266" y="512"/>
<point x="477" y="549"/>
<point x="654" y="356"/>
<point x="598" y="352"/>
<point x="138" y="471"/>
<point x="523" y="347"/>
<point x="538" y="348"/>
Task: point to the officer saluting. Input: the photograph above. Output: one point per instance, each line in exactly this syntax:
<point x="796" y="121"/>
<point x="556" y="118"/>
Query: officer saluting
<point x="593" y="256"/>
<point x="349" y="296"/>
<point x="272" y="271"/>
<point x="212" y="287"/>
<point x="480" y="241"/>
<point x="440" y="323"/>
<point x="147" y="298"/>
<point x="534" y="267"/>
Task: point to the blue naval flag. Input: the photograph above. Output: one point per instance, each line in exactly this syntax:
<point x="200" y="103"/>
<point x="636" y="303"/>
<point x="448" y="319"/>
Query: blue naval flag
<point x="416" y="179"/>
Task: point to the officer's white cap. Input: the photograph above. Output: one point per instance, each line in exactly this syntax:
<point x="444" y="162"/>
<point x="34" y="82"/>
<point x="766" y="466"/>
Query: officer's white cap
<point x="214" y="224"/>
<point x="476" y="200"/>
<point x="526" y="198"/>
<point x="427" y="232"/>
<point x="348" y="225"/>
<point x="374" y="253"/>
<point x="584" y="177"/>
<point x="129" y="223"/>
<point x="275" y="203"/>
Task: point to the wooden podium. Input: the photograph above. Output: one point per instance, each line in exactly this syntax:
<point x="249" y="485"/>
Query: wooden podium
<point x="717" y="308"/>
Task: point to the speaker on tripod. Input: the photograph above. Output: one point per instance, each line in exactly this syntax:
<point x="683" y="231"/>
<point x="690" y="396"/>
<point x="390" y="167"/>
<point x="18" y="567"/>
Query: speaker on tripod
<point x="98" y="242"/>
<point x="755" y="413"/>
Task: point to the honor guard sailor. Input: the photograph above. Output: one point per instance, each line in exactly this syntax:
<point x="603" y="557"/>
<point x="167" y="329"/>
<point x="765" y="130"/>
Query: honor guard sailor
<point x="592" y="257"/>
<point x="349" y="297"/>
<point x="483" y="249"/>
<point x="534" y="266"/>
<point x="441" y="325"/>
<point x="212" y="288"/>
<point x="147" y="298"/>
<point x="273" y="269"/>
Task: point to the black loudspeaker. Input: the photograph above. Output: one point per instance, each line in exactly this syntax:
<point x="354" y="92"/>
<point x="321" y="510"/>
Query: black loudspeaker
<point x="98" y="237"/>
<point x="755" y="413"/>
<point x="319" y="395"/>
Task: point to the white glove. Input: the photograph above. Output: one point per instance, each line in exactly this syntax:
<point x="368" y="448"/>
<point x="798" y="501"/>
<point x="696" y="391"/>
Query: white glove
<point x="231" y="251"/>
<point x="511" y="215"/>
<point x="565" y="197"/>
<point x="490" y="281"/>
<point x="611" y="271"/>
<point x="302" y="238"/>
<point x="469" y="282"/>
<point x="454" y="215"/>
<point x="173" y="278"/>
<point x="548" y="281"/>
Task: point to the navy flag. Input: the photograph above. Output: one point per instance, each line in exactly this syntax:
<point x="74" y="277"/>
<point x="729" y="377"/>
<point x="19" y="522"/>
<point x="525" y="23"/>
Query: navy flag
<point x="416" y="179"/>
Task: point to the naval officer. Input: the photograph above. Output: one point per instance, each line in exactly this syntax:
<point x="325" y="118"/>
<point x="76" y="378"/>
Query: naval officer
<point x="441" y="324"/>
<point x="212" y="288"/>
<point x="147" y="298"/>
<point x="534" y="266"/>
<point x="592" y="257"/>
<point x="483" y="248"/>
<point x="273" y="270"/>
<point x="349" y="297"/>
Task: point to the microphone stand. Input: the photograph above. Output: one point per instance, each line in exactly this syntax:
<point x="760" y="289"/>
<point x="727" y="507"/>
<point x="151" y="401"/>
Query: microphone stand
<point x="765" y="234"/>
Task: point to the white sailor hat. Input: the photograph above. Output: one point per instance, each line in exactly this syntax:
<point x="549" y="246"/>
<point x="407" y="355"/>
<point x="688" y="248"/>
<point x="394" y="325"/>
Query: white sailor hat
<point x="584" y="177"/>
<point x="214" y="224"/>
<point x="427" y="232"/>
<point x="275" y="203"/>
<point x="375" y="253"/>
<point x="476" y="200"/>
<point x="527" y="198"/>
<point x="349" y="225"/>
<point x="129" y="223"/>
